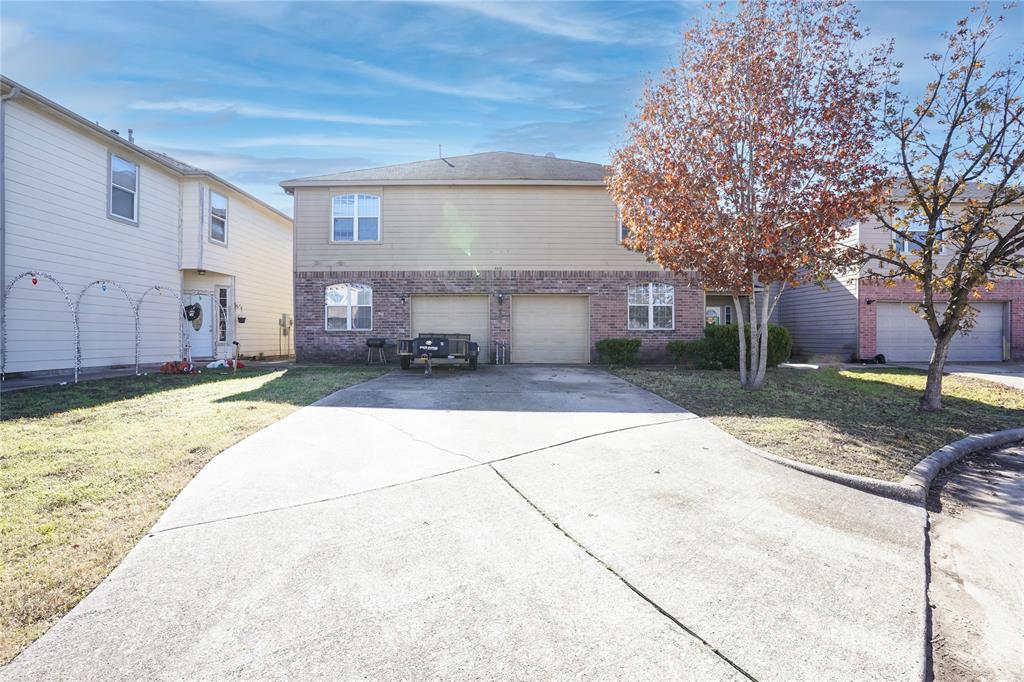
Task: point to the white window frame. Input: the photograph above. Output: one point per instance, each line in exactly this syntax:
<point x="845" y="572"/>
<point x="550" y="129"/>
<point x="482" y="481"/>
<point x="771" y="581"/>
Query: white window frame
<point x="348" y="307"/>
<point x="619" y="227"/>
<point x="355" y="218"/>
<point x="111" y="185"/>
<point x="651" y="305"/>
<point x="905" y="246"/>
<point x="227" y="213"/>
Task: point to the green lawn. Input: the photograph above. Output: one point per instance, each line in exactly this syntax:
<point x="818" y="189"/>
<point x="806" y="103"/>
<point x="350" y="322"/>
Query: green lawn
<point x="863" y="422"/>
<point x="86" y="470"/>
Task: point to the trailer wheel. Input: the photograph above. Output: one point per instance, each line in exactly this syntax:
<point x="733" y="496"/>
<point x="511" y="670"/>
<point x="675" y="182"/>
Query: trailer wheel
<point x="406" y="362"/>
<point x="472" y="362"/>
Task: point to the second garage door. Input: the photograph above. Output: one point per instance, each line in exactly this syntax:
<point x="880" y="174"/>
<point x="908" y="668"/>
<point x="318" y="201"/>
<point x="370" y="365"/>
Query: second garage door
<point x="550" y="329"/>
<point x="453" y="315"/>
<point x="904" y="337"/>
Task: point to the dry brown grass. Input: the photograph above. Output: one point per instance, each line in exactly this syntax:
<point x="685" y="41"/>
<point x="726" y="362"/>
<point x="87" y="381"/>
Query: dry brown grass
<point x="863" y="422"/>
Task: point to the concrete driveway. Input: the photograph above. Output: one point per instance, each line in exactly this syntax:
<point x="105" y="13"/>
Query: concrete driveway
<point x="515" y="522"/>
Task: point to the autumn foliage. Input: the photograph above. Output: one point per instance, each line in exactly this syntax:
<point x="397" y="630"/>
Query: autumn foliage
<point x="749" y="157"/>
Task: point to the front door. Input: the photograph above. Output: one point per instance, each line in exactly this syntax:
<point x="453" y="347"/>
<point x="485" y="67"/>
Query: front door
<point x="200" y="329"/>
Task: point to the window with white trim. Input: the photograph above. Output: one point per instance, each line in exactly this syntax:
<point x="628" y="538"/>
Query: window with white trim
<point x="124" y="189"/>
<point x="348" y="307"/>
<point x="623" y="230"/>
<point x="917" y="228"/>
<point x="218" y="218"/>
<point x="651" y="306"/>
<point x="355" y="218"/>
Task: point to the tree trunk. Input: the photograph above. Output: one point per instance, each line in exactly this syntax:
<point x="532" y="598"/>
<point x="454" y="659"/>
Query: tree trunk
<point x="762" y="341"/>
<point x="743" y="340"/>
<point x="931" y="401"/>
<point x="754" y="347"/>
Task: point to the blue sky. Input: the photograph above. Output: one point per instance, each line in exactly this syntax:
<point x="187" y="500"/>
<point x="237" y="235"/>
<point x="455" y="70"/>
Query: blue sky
<point x="259" y="92"/>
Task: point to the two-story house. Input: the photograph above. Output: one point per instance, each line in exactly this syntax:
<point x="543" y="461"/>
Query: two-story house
<point x="855" y="317"/>
<point x="102" y="222"/>
<point x="523" y="252"/>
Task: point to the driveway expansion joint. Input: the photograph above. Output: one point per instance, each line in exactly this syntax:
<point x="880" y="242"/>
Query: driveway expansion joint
<point x="476" y="464"/>
<point x="657" y="607"/>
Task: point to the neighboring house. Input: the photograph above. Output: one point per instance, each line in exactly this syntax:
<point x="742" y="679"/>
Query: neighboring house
<point x="81" y="204"/>
<point x="523" y="252"/>
<point x="853" y="317"/>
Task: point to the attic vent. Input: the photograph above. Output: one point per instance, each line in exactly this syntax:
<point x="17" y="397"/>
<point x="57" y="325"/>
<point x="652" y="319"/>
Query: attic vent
<point x="550" y="155"/>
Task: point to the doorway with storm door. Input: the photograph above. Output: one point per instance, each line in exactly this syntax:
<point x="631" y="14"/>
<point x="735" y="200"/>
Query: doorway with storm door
<point x="200" y="308"/>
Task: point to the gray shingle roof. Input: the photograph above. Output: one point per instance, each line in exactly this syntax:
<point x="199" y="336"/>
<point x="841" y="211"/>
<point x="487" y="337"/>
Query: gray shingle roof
<point x="483" y="168"/>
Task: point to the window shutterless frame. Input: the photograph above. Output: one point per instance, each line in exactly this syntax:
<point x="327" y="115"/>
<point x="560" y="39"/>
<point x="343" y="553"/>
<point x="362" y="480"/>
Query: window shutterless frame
<point x="122" y="189"/>
<point x="647" y="299"/>
<point x="366" y="207"/>
<point x="920" y="227"/>
<point x="352" y="300"/>
<point x="219" y="210"/>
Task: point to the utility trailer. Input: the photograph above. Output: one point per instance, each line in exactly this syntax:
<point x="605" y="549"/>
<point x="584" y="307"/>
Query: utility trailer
<point x="438" y="349"/>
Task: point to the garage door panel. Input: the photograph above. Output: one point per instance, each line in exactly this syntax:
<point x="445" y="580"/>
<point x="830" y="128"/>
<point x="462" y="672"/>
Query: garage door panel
<point x="553" y="329"/>
<point x="453" y="315"/>
<point x="901" y="336"/>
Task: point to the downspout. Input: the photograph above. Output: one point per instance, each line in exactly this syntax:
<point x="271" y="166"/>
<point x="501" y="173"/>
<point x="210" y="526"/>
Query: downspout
<point x="15" y="92"/>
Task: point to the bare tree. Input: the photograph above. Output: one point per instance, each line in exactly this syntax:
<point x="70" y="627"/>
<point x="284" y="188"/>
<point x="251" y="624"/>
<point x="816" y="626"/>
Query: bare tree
<point x="955" y="212"/>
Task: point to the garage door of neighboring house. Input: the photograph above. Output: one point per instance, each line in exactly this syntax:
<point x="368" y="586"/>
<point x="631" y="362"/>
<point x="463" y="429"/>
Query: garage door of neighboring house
<point x="550" y="329"/>
<point x="904" y="337"/>
<point x="453" y="315"/>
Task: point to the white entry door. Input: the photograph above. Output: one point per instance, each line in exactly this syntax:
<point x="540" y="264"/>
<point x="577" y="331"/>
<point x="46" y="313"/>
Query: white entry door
<point x="200" y="330"/>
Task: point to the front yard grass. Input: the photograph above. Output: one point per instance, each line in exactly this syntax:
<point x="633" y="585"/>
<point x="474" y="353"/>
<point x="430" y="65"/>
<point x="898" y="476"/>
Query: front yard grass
<point x="859" y="421"/>
<point x="86" y="470"/>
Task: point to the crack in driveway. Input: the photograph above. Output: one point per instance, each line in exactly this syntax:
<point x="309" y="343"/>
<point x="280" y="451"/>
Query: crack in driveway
<point x="660" y="609"/>
<point x="356" y="493"/>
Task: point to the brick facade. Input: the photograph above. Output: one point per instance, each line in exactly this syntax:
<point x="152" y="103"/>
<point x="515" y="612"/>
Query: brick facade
<point x="1010" y="291"/>
<point x="392" y="292"/>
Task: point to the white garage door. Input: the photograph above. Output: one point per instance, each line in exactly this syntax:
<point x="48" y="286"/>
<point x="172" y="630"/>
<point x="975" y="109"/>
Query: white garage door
<point x="550" y="329"/>
<point x="453" y="315"/>
<point x="904" y="337"/>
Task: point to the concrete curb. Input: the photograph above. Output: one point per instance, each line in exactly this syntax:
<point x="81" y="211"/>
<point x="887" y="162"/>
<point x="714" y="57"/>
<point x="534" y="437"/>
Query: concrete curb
<point x="914" y="486"/>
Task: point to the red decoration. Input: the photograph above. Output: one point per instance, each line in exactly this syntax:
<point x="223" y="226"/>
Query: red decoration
<point x="35" y="280"/>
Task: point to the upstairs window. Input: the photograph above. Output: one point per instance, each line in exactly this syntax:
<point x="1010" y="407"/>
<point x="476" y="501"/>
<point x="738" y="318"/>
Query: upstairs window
<point x="348" y="307"/>
<point x="652" y="306"/>
<point x="124" y="189"/>
<point x="622" y="230"/>
<point x="355" y="218"/>
<point x="917" y="228"/>
<point x="218" y="218"/>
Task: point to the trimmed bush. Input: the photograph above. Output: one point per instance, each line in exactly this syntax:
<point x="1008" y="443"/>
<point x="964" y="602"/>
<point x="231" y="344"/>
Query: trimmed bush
<point x="694" y="354"/>
<point x="618" y="351"/>
<point x="720" y="347"/>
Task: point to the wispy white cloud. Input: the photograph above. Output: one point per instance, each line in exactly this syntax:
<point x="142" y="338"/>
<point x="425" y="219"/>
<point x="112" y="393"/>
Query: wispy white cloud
<point x="553" y="19"/>
<point x="334" y="142"/>
<point x="495" y="88"/>
<point x="208" y="106"/>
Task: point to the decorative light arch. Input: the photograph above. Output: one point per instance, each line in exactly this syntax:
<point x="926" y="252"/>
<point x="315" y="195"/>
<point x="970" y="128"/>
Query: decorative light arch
<point x="35" y="275"/>
<point x="181" y="323"/>
<point x="78" y="336"/>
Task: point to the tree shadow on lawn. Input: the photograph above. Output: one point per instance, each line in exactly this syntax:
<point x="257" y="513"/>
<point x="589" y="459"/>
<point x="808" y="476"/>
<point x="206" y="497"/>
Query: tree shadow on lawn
<point x="304" y="385"/>
<point x="45" y="401"/>
<point x="861" y="421"/>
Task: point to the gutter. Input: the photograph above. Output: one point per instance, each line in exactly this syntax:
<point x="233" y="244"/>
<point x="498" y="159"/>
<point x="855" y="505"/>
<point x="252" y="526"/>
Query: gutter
<point x="15" y="92"/>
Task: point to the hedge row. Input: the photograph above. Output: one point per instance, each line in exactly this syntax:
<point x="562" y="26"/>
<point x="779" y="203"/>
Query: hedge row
<point x="719" y="349"/>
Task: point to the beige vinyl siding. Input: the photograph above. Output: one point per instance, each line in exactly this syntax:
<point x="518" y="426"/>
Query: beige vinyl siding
<point x="822" y="321"/>
<point x="467" y="228"/>
<point x="57" y="223"/>
<point x="257" y="262"/>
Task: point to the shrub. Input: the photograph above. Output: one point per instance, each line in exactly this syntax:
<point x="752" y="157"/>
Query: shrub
<point x="695" y="354"/>
<point x="720" y="347"/>
<point x="618" y="351"/>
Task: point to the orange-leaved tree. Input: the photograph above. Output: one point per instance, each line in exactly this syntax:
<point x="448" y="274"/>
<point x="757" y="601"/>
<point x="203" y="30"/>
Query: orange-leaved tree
<point x="748" y="159"/>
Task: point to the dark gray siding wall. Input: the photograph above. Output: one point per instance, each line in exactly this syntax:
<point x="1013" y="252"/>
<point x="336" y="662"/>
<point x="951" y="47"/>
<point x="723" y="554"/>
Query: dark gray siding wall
<point x="821" y="321"/>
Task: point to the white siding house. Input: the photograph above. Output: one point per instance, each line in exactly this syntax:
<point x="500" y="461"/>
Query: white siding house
<point x="83" y="204"/>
